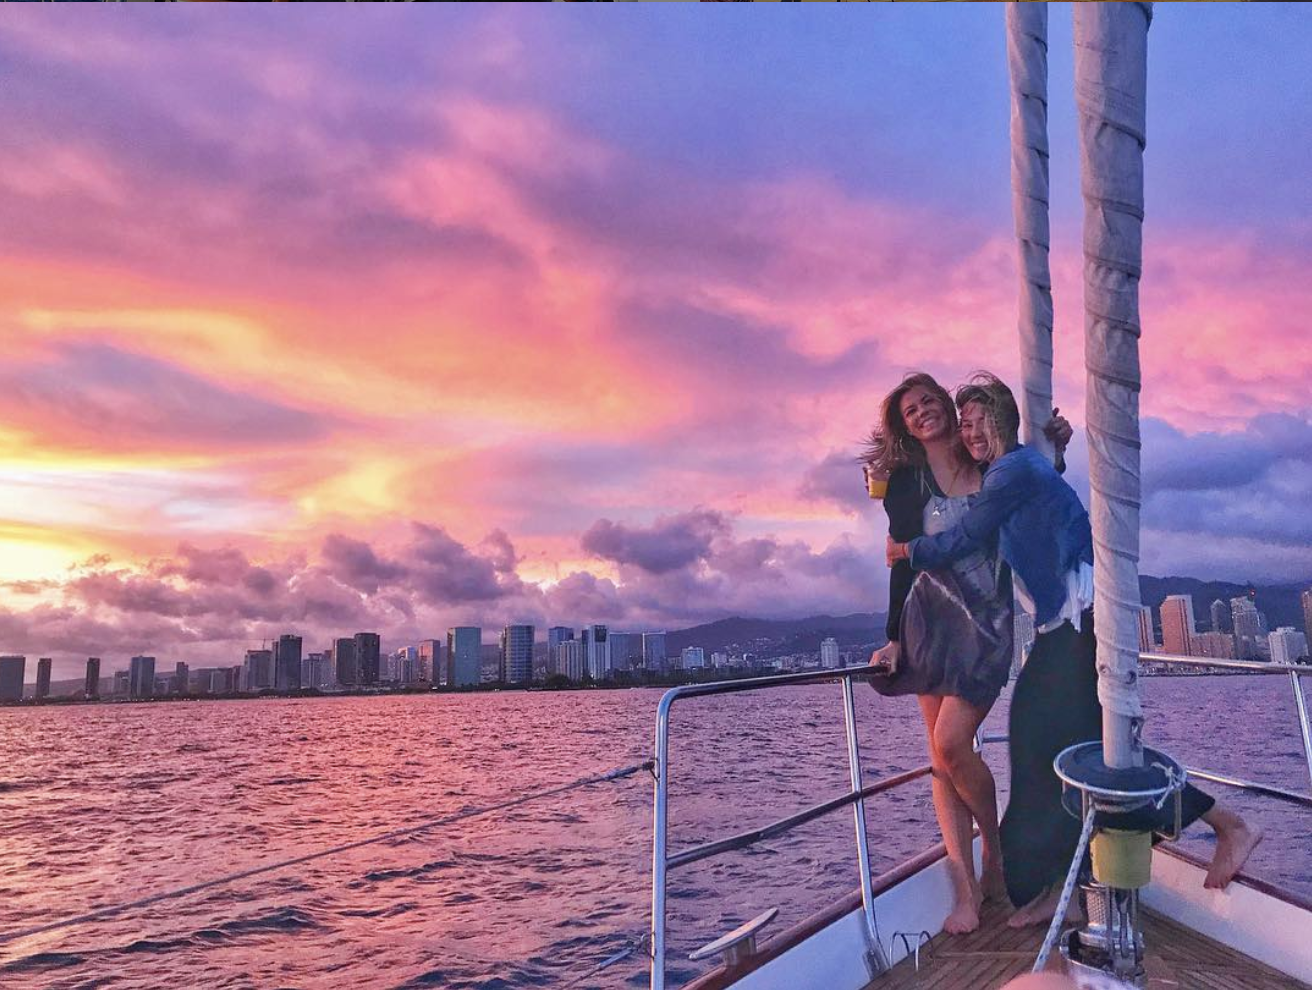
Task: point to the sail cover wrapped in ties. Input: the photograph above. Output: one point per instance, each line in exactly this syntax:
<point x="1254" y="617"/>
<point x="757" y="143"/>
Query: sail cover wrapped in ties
<point x="1111" y="59"/>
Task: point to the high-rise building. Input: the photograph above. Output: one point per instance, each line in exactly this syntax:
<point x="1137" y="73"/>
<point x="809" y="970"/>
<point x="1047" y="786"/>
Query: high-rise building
<point x="178" y="683"/>
<point x="91" y="689"/>
<point x="625" y="650"/>
<point x="344" y="667"/>
<point x="1306" y="598"/>
<point x="1248" y="630"/>
<point x="567" y="661"/>
<point x="1217" y="645"/>
<point x="257" y="671"/>
<point x="464" y="662"/>
<point x="1177" y="625"/>
<point x="430" y="661"/>
<point x="287" y="663"/>
<point x="1287" y="645"/>
<point x="596" y="651"/>
<point x="692" y="658"/>
<point x="316" y="671"/>
<point x="1219" y="615"/>
<point x="653" y="651"/>
<point x="1147" y="641"/>
<point x="367" y="653"/>
<point x="12" y="671"/>
<point x="43" y="678"/>
<point x="828" y="654"/>
<point x="517" y="654"/>
<point x="141" y="677"/>
<point x="555" y="636"/>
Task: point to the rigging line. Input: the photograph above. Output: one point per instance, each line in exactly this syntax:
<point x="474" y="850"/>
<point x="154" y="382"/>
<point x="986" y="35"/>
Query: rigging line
<point x="107" y="912"/>
<point x="1068" y="888"/>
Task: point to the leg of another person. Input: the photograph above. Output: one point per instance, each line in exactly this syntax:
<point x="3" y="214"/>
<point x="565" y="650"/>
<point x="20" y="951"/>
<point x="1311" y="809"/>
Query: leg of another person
<point x="954" y="821"/>
<point x="954" y="738"/>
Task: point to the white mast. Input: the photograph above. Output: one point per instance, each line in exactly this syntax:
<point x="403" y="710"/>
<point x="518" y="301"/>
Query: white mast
<point x="1027" y="62"/>
<point x="1111" y="73"/>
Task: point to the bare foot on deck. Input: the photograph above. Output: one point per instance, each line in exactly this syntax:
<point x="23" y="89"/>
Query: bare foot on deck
<point x="1040" y="910"/>
<point x="1235" y="841"/>
<point x="964" y="917"/>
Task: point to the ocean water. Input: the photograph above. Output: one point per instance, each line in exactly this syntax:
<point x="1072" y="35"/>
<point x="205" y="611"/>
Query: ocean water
<point x="109" y="803"/>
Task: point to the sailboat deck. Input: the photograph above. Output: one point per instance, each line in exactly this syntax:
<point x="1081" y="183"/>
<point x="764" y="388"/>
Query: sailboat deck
<point x="1178" y="958"/>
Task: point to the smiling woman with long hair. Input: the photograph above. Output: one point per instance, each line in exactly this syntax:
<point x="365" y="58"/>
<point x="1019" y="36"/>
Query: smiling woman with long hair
<point x="949" y="630"/>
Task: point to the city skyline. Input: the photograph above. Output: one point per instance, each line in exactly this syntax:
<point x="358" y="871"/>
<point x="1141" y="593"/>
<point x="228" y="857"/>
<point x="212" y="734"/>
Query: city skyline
<point x="492" y="317"/>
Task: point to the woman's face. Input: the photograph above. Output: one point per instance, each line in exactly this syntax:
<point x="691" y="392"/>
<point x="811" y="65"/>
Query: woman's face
<point x="977" y="431"/>
<point x="924" y="414"/>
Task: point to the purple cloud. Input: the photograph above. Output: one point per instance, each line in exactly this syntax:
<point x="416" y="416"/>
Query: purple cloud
<point x="670" y="543"/>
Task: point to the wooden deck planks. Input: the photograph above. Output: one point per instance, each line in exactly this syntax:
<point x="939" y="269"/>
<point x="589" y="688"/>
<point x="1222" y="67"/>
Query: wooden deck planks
<point x="1178" y="958"/>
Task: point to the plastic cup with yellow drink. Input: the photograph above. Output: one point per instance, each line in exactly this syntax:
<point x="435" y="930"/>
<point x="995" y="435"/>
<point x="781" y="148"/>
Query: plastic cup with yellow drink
<point x="876" y="481"/>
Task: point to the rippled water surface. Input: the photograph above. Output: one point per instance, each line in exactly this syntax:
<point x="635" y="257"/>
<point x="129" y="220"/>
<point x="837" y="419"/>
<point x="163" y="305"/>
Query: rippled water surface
<point x="108" y="803"/>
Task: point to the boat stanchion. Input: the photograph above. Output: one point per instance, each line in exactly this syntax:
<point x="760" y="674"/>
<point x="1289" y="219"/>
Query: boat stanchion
<point x="1129" y="806"/>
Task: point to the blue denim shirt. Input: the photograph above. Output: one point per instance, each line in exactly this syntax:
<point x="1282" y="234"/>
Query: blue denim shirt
<point x="1035" y="520"/>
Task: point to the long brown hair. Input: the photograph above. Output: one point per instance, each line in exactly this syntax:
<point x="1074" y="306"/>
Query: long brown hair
<point x="890" y="444"/>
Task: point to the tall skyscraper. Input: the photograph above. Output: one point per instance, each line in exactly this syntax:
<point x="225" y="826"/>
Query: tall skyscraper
<point x="625" y="650"/>
<point x="1219" y="614"/>
<point x="12" y="671"/>
<point x="1220" y="646"/>
<point x="555" y="636"/>
<point x="828" y="653"/>
<point x="1147" y="639"/>
<point x="367" y="653"/>
<point x="568" y="659"/>
<point x="596" y="651"/>
<point x="179" y="682"/>
<point x="316" y="672"/>
<point x="92" y="687"/>
<point x="344" y="667"/>
<point x="653" y="651"/>
<point x="1247" y="628"/>
<point x="1178" y="625"/>
<point x="464" y="661"/>
<point x="287" y="663"/>
<point x="257" y="670"/>
<point x="1287" y="645"/>
<point x="517" y="654"/>
<point x="43" y="678"/>
<point x="141" y="677"/>
<point x="1306" y="598"/>
<point x="430" y="661"/>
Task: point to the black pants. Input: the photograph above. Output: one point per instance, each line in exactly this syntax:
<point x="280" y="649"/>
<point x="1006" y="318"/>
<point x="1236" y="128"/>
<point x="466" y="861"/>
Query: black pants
<point x="1054" y="705"/>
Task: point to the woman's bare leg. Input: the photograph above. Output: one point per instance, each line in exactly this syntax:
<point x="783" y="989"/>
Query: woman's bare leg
<point x="954" y="822"/>
<point x="954" y="739"/>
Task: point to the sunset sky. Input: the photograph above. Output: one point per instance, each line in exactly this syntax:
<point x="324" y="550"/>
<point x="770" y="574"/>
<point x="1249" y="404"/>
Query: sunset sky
<point x="396" y="317"/>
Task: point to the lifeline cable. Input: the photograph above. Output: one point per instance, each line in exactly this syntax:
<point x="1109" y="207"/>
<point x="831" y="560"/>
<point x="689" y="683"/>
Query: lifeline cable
<point x="114" y="909"/>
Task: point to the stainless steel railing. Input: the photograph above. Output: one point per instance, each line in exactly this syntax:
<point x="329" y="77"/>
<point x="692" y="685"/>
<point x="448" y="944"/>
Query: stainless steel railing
<point x="662" y="862"/>
<point x="1293" y="672"/>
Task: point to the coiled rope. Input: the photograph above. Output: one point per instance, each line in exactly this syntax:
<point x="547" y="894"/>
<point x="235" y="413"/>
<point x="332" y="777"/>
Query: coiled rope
<point x="115" y="909"/>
